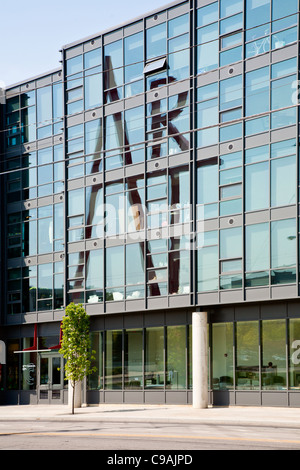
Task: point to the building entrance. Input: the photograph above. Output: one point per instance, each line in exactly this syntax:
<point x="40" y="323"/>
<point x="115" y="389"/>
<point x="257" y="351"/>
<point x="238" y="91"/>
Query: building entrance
<point x="51" y="378"/>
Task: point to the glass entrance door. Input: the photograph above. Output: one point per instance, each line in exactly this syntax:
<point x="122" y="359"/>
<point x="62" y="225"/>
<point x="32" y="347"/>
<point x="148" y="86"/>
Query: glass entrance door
<point x="51" y="380"/>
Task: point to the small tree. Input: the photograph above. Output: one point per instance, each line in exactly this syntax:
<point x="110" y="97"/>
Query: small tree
<point x="75" y="345"/>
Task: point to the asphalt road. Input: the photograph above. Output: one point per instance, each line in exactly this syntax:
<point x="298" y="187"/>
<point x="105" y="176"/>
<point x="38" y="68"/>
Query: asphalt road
<point x="135" y="437"/>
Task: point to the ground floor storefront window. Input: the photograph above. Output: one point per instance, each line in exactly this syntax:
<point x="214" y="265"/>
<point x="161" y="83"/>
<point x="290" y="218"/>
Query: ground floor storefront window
<point x="151" y="358"/>
<point x="256" y="355"/>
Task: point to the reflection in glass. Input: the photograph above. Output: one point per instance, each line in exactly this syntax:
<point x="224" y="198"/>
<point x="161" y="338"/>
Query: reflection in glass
<point x="135" y="271"/>
<point x="113" y="360"/>
<point x="179" y="272"/>
<point x="95" y="380"/>
<point x="156" y="38"/>
<point x="257" y="13"/>
<point x="133" y="359"/>
<point x="45" y="282"/>
<point x="45" y="235"/>
<point x="207" y="181"/>
<point x="247" y="355"/>
<point x="207" y="56"/>
<point x="44" y="104"/>
<point x="283" y="243"/>
<point x="273" y="355"/>
<point x="208" y="268"/>
<point x="257" y="91"/>
<point x="154" y="358"/>
<point x="93" y="90"/>
<point x="283" y="181"/>
<point x="222" y="356"/>
<point x="176" y="358"/>
<point x="257" y="186"/>
<point x="257" y="247"/>
<point x="294" y="353"/>
<point x="134" y="48"/>
<point x="115" y="273"/>
<point x="231" y="242"/>
<point x="94" y="269"/>
<point x="208" y="14"/>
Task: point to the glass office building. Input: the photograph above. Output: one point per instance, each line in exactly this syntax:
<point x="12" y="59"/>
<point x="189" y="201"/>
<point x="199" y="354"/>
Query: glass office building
<point x="153" y="175"/>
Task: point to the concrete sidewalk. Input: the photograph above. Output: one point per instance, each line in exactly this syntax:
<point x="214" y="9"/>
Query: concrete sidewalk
<point x="253" y="416"/>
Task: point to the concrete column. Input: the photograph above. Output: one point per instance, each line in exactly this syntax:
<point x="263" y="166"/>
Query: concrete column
<point x="200" y="360"/>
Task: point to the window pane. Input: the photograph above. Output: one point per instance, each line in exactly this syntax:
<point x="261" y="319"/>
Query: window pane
<point x="156" y="41"/>
<point x="179" y="65"/>
<point x="115" y="214"/>
<point x="92" y="58"/>
<point x="134" y="48"/>
<point x="230" y="7"/>
<point x="45" y="281"/>
<point x="94" y="269"/>
<point x="93" y="91"/>
<point x="135" y="270"/>
<point x="76" y="201"/>
<point x="283" y="181"/>
<point x="255" y="126"/>
<point x="208" y="33"/>
<point x="154" y="358"/>
<point x="273" y="358"/>
<point x="113" y="55"/>
<point x="179" y="272"/>
<point x="282" y="92"/>
<point x="257" y="247"/>
<point x="231" y="243"/>
<point x="283" y="243"/>
<point x="208" y="268"/>
<point x="284" y="118"/>
<point x="134" y="124"/>
<point x="95" y="380"/>
<point x="294" y="353"/>
<point x="222" y="356"/>
<point x="178" y="25"/>
<point x="133" y="359"/>
<point x="176" y="357"/>
<point x="257" y="12"/>
<point x="233" y="23"/>
<point x="57" y="100"/>
<point x="231" y="92"/>
<point x="179" y="195"/>
<point x="74" y="65"/>
<point x="208" y="14"/>
<point x="285" y="67"/>
<point x="257" y="91"/>
<point x="207" y="182"/>
<point x="44" y="104"/>
<point x="247" y="356"/>
<point x="284" y="37"/>
<point x="257" y="186"/>
<point x="281" y="9"/>
<point x="207" y="113"/>
<point x="208" y="56"/>
<point x="113" y="135"/>
<point x="231" y="56"/>
<point x="113" y="360"/>
<point x="257" y="154"/>
<point x="115" y="266"/>
<point x="45" y="235"/>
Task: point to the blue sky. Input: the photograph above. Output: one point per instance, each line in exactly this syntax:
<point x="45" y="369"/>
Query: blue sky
<point x="33" y="31"/>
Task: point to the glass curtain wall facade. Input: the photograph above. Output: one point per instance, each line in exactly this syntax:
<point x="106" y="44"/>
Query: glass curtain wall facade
<point x="155" y="173"/>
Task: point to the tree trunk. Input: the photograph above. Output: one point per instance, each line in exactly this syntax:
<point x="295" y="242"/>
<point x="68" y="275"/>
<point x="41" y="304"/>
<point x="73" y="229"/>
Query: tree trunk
<point x="73" y="397"/>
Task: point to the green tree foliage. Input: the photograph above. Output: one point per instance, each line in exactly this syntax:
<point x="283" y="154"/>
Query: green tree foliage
<point x="76" y="345"/>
